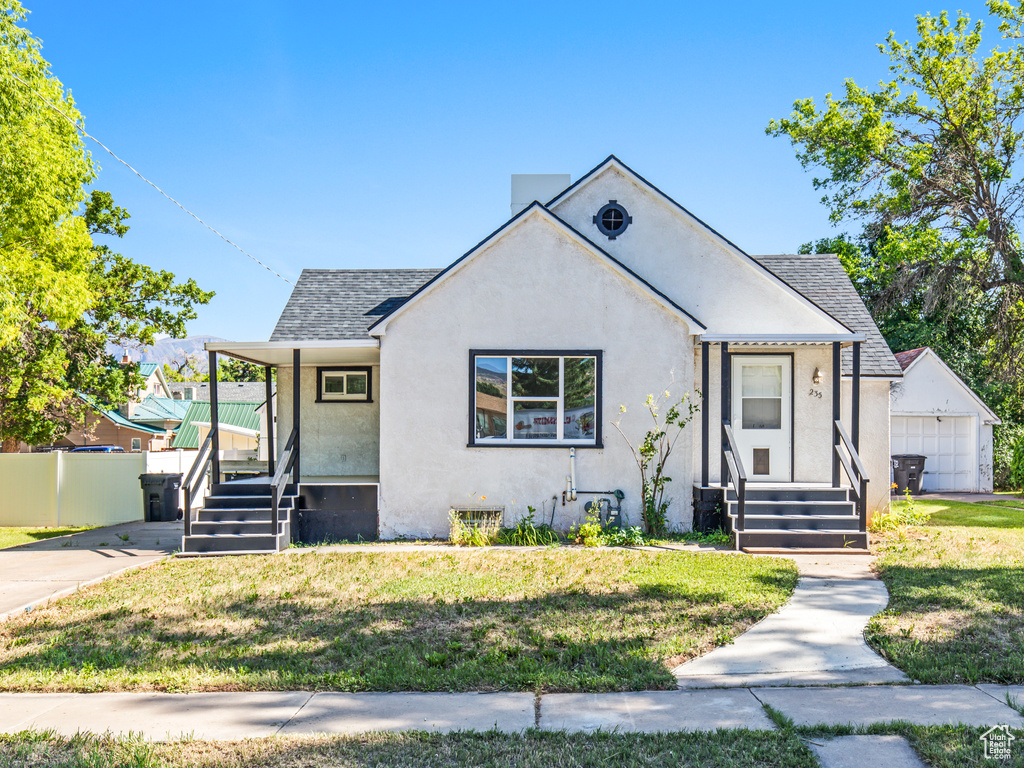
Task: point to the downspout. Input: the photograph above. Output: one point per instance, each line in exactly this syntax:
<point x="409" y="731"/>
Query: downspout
<point x="572" y="474"/>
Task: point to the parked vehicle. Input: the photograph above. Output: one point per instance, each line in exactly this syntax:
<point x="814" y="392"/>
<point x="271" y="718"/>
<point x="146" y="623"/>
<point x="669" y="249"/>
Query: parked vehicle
<point x="98" y="449"/>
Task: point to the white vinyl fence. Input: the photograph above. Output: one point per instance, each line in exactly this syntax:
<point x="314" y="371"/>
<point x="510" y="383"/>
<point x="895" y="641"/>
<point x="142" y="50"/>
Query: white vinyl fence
<point x="55" y="489"/>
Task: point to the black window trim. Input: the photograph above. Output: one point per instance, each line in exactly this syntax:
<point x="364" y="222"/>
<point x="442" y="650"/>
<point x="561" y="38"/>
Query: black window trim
<point x="597" y="354"/>
<point x="320" y="371"/>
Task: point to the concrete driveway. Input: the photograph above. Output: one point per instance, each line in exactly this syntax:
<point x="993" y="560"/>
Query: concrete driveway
<point x="36" y="572"/>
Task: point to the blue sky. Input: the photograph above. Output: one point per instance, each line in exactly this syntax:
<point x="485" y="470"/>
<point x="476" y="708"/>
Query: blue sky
<point x="336" y="134"/>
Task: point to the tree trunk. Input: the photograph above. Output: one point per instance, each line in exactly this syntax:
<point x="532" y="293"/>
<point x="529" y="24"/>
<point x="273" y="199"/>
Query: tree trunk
<point x="10" y="445"/>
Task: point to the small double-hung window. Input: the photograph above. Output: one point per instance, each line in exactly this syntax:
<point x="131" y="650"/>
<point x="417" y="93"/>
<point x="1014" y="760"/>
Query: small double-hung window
<point x="536" y="398"/>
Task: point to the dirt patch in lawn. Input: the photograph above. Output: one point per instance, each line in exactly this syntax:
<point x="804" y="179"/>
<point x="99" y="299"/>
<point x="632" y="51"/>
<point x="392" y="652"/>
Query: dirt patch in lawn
<point x="956" y="609"/>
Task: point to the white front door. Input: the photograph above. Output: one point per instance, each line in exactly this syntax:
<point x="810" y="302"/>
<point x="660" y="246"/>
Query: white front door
<point x="762" y="415"/>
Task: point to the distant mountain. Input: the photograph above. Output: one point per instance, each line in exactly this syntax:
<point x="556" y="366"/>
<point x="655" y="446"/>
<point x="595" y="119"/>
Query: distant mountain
<point x="168" y="350"/>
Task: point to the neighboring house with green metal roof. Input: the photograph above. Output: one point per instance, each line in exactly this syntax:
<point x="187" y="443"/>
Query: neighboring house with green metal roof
<point x="162" y="412"/>
<point x="230" y="414"/>
<point x="107" y="426"/>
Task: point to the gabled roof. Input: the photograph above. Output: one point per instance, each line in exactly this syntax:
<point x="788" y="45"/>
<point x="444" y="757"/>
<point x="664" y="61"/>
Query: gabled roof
<point x="913" y="356"/>
<point x="237" y="391"/>
<point x="905" y="359"/>
<point x="116" y="418"/>
<point x="614" y="162"/>
<point x="233" y="413"/>
<point x="147" y="369"/>
<point x="535" y="208"/>
<point x="822" y="279"/>
<point x="335" y="304"/>
<point x="155" y="408"/>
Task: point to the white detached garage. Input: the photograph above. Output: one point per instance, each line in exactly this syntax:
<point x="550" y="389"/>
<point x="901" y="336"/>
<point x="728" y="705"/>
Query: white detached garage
<point x="938" y="416"/>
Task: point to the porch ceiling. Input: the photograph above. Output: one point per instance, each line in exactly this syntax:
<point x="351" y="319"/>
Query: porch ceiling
<point x="279" y="353"/>
<point x="783" y="340"/>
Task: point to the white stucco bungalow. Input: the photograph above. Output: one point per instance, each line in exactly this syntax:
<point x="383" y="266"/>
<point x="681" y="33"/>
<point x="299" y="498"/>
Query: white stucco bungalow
<point x="496" y="381"/>
<point x="936" y="415"/>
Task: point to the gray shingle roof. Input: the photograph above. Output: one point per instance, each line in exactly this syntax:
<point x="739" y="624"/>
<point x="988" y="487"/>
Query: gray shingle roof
<point x="336" y="304"/>
<point x="341" y="304"/>
<point x="822" y="279"/>
<point x="227" y="391"/>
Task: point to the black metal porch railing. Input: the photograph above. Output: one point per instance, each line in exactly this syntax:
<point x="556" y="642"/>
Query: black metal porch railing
<point x="736" y="476"/>
<point x="194" y="481"/>
<point x="854" y="468"/>
<point x="280" y="480"/>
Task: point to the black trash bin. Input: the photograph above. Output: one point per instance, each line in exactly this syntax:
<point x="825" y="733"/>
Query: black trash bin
<point x="908" y="472"/>
<point x="160" y="496"/>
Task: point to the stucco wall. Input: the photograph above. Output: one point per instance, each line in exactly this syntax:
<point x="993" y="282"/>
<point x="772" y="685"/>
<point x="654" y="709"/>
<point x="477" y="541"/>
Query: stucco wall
<point x="533" y="289"/>
<point x="683" y="258"/>
<point x="336" y="439"/>
<point x="874" y="437"/>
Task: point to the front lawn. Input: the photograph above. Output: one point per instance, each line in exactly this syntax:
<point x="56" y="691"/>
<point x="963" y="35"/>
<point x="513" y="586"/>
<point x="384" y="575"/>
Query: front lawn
<point x="12" y="537"/>
<point x="562" y="619"/>
<point x="956" y="585"/>
<point x="721" y="749"/>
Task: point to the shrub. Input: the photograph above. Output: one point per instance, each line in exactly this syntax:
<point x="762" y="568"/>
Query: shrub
<point x="1008" y="456"/>
<point x="527" y="533"/>
<point x="626" y="537"/>
<point x="462" y="533"/>
<point x="900" y="515"/>
<point x="589" y="533"/>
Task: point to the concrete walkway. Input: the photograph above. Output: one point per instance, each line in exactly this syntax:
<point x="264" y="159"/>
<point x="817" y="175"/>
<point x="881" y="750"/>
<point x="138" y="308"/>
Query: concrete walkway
<point x="817" y="637"/>
<point x="230" y="716"/>
<point x="34" y="573"/>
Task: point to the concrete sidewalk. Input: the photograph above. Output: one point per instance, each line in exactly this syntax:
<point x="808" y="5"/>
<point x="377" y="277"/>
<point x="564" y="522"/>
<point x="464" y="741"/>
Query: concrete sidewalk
<point x="816" y="638"/>
<point x="34" y="573"/>
<point x="231" y="716"/>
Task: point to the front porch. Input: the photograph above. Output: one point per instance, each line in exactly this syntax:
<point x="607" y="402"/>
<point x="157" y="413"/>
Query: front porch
<point x="300" y="490"/>
<point x="767" y="463"/>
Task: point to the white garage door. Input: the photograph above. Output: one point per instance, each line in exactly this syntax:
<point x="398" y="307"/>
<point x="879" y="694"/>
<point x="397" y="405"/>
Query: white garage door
<point x="947" y="441"/>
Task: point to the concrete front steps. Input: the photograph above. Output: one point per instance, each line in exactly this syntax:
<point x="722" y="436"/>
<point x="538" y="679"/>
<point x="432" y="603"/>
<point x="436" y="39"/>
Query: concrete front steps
<point x="796" y="517"/>
<point x="236" y="519"/>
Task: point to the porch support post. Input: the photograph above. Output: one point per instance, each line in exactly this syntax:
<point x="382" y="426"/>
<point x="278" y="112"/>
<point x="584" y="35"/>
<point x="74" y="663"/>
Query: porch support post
<point x="837" y="383"/>
<point x="726" y="403"/>
<point x="855" y="400"/>
<point x="214" y="422"/>
<point x="267" y="370"/>
<point x="705" y="417"/>
<point x="296" y="398"/>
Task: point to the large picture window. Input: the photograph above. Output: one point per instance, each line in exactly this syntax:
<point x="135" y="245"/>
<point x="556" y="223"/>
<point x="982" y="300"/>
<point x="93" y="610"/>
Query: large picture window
<point x="535" y="398"/>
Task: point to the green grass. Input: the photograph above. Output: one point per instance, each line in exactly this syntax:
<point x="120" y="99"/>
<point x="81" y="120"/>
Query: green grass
<point x="534" y="749"/>
<point x="956" y="585"/>
<point x="561" y="619"/>
<point x="12" y="537"/>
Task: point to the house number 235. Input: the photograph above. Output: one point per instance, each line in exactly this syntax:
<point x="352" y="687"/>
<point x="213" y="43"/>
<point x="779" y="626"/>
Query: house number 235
<point x="814" y="393"/>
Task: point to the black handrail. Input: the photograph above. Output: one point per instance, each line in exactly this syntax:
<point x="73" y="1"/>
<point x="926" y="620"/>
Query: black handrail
<point x="855" y="471"/>
<point x="195" y="478"/>
<point x="279" y="482"/>
<point x="737" y="476"/>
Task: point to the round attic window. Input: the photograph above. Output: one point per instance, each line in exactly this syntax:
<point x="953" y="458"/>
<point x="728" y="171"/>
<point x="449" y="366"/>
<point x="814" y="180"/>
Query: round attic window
<point x="612" y="220"/>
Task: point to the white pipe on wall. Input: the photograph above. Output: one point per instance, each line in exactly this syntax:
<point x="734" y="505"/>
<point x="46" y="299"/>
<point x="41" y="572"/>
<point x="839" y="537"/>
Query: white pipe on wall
<point x="572" y="474"/>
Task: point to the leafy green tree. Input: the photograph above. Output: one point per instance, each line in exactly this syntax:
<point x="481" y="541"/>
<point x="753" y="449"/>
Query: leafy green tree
<point x="240" y="370"/>
<point x="63" y="295"/>
<point x="927" y="164"/>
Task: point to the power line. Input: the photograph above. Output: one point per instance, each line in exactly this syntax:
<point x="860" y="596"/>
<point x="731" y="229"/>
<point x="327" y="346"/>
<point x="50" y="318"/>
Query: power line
<point x="110" y="152"/>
